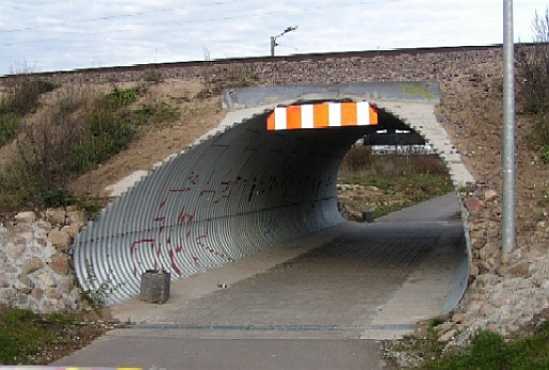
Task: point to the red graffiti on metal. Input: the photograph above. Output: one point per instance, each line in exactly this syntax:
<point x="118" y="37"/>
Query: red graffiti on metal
<point x="185" y="218"/>
<point x="133" y="248"/>
<point x="173" y="253"/>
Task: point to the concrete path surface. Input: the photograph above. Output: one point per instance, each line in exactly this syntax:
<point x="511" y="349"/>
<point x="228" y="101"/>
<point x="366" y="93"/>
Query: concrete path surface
<point x="320" y="305"/>
<point x="444" y="208"/>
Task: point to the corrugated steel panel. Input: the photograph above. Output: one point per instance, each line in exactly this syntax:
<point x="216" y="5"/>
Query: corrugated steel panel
<point x="241" y="190"/>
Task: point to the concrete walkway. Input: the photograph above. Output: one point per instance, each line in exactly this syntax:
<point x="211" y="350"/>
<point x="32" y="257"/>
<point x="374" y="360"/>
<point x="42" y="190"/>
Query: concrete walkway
<point x="321" y="303"/>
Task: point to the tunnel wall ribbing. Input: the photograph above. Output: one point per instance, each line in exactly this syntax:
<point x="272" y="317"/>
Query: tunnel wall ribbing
<point x="225" y="198"/>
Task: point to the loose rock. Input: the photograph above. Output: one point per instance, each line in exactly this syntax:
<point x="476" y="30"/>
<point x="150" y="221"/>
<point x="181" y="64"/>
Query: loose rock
<point x="76" y="217"/>
<point x="15" y="250"/>
<point x="56" y="216"/>
<point x="72" y="230"/>
<point x="474" y="205"/>
<point x="31" y="266"/>
<point x="61" y="240"/>
<point x="490" y="195"/>
<point x="520" y="269"/>
<point x="60" y="264"/>
<point x="25" y="217"/>
<point x="446" y="337"/>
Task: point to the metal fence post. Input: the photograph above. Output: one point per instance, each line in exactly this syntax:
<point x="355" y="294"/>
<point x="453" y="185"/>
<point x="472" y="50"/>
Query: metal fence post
<point x="508" y="150"/>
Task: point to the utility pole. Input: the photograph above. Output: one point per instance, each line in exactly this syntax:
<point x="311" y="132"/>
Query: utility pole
<point x="273" y="45"/>
<point x="274" y="38"/>
<point x="508" y="151"/>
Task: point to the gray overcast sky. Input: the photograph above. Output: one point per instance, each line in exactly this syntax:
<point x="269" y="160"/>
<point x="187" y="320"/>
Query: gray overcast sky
<point x="45" y="35"/>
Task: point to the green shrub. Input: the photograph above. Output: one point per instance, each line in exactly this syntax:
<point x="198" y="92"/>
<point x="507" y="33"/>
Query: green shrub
<point x="56" y="197"/>
<point x="545" y="153"/>
<point x="9" y="124"/>
<point x="106" y="133"/>
<point x="119" y="98"/>
<point x="23" y="93"/>
<point x="158" y="112"/>
<point x="21" y="97"/>
<point x="91" y="206"/>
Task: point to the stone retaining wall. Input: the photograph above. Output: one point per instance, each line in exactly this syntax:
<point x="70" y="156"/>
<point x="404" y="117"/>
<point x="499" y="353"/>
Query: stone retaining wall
<point x="35" y="267"/>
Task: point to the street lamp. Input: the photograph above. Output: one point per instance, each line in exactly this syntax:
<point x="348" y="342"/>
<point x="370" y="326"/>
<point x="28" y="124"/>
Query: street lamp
<point x="274" y="38"/>
<point x="508" y="152"/>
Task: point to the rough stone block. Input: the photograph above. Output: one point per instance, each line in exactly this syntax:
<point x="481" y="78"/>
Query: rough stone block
<point x="15" y="250"/>
<point x="37" y="293"/>
<point x="46" y="279"/>
<point x="26" y="281"/>
<point x="4" y="281"/>
<point x="73" y="229"/>
<point x="520" y="269"/>
<point x="31" y="266"/>
<point x="56" y="216"/>
<point x="60" y="239"/>
<point x="60" y="264"/>
<point x="76" y="217"/>
<point x="490" y="195"/>
<point x="155" y="286"/>
<point x="25" y="217"/>
<point x="43" y="225"/>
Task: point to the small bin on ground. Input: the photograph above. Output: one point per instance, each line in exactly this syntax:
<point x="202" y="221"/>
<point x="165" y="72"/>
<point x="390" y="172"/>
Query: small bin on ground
<point x="155" y="286"/>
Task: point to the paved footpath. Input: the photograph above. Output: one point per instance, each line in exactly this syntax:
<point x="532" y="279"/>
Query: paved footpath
<point x="324" y="308"/>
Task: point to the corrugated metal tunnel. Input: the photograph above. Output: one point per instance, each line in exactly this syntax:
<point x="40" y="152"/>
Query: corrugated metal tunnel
<point x="241" y="187"/>
<point x="242" y="190"/>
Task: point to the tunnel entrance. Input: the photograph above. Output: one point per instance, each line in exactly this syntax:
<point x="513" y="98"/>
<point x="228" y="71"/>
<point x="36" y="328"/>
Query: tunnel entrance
<point x="375" y="180"/>
<point x="247" y="187"/>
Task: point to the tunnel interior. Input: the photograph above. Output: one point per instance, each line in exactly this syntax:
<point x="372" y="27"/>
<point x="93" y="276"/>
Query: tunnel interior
<point x="233" y="194"/>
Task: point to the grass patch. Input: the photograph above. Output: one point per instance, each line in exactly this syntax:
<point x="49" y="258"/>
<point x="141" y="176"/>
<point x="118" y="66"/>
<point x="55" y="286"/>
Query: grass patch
<point x="118" y="98"/>
<point x="21" y="336"/>
<point x="74" y="136"/>
<point x="9" y="124"/>
<point x="106" y="133"/>
<point x="489" y="351"/>
<point x="391" y="182"/>
<point x="545" y="153"/>
<point x="155" y="113"/>
<point x="29" y="338"/>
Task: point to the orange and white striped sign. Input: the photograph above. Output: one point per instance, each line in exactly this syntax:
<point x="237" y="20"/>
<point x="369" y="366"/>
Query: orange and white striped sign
<point x="322" y="115"/>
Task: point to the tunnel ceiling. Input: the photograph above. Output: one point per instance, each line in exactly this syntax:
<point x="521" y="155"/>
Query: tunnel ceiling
<point x="240" y="189"/>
